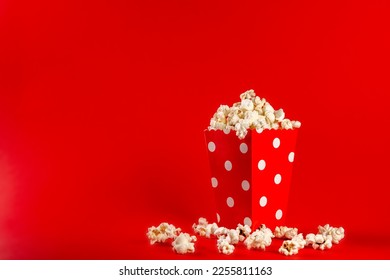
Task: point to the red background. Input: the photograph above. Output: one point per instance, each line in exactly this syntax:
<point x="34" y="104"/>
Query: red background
<point x="103" y="106"/>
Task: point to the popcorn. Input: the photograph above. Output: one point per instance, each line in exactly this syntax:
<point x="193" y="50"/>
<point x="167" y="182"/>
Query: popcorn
<point x="244" y="231"/>
<point x="226" y="239"/>
<point x="336" y="233"/>
<point x="296" y="124"/>
<point x="285" y="232"/>
<point x="247" y="105"/>
<point x="161" y="233"/>
<point x="259" y="239"/>
<point x="249" y="94"/>
<point x="266" y="230"/>
<point x="267" y="108"/>
<point x="299" y="240"/>
<point x="325" y="237"/>
<point x="184" y="244"/>
<point x="287" y="124"/>
<point x="270" y="117"/>
<point x="233" y="236"/>
<point x="252" y="112"/>
<point x="279" y="115"/>
<point x="291" y="247"/>
<point x="319" y="241"/>
<point x="203" y="228"/>
<point x="221" y="231"/>
<point x="210" y="229"/>
<point x="224" y="246"/>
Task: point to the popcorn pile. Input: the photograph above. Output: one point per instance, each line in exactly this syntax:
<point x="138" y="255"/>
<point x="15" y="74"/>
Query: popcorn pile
<point x="252" y="112"/>
<point x="259" y="239"/>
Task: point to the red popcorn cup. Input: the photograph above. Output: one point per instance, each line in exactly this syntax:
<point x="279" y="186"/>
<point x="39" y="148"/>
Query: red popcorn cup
<point x="251" y="177"/>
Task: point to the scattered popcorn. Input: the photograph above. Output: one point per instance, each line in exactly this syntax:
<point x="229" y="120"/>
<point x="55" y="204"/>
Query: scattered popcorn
<point x="299" y="240"/>
<point x="266" y="230"/>
<point x="184" y="244"/>
<point x="226" y="239"/>
<point x="244" y="231"/>
<point x="210" y="229"/>
<point x="161" y="233"/>
<point x="291" y="247"/>
<point x="233" y="236"/>
<point x="336" y="233"/>
<point x="221" y="231"/>
<point x="251" y="112"/>
<point x="285" y="232"/>
<point x="319" y="241"/>
<point x="203" y="228"/>
<point x="288" y="248"/>
<point x="259" y="239"/>
<point x="224" y="246"/>
<point x="325" y="237"/>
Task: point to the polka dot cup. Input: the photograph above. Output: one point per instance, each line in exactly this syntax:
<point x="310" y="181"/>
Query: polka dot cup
<point x="251" y="177"/>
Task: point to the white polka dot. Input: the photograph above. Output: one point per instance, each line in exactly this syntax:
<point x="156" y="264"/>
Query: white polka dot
<point x="291" y="157"/>
<point x="278" y="179"/>
<point x="248" y="221"/>
<point x="226" y="131"/>
<point x="228" y="165"/>
<point x="261" y="164"/>
<point x="211" y="146"/>
<point x="278" y="214"/>
<point x="276" y="143"/>
<point x="263" y="201"/>
<point x="244" y="148"/>
<point x="259" y="130"/>
<point x="245" y="185"/>
<point x="214" y="182"/>
<point x="230" y="201"/>
<point x="218" y="218"/>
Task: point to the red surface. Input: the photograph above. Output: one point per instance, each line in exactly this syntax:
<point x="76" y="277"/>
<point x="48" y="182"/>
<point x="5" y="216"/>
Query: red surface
<point x="103" y="106"/>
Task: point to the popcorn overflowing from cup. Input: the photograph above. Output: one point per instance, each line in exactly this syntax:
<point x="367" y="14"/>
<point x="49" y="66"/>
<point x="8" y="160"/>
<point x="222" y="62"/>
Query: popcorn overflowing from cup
<point x="252" y="112"/>
<point x="258" y="239"/>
